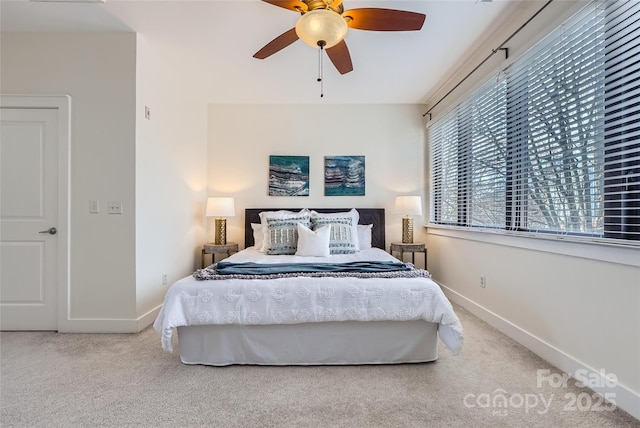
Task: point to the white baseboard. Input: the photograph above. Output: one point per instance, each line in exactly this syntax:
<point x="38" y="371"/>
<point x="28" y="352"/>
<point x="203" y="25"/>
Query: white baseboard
<point x="624" y="397"/>
<point x="147" y="319"/>
<point x="97" y="325"/>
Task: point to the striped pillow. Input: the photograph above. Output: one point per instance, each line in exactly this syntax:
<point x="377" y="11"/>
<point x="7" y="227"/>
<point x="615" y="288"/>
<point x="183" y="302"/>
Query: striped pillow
<point x="281" y="235"/>
<point x="344" y="236"/>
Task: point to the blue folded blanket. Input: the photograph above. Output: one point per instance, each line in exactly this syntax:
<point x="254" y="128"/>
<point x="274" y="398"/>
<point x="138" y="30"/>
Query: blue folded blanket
<point x="249" y="268"/>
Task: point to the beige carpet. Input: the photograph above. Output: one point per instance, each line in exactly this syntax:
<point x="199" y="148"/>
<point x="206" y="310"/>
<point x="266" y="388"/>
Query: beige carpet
<point x="119" y="380"/>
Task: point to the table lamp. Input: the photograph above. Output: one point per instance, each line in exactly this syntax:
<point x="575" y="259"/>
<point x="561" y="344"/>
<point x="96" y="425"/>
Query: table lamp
<point x="219" y="208"/>
<point x="409" y="206"/>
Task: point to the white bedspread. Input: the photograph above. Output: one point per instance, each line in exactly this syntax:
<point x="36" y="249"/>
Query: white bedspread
<point x="304" y="299"/>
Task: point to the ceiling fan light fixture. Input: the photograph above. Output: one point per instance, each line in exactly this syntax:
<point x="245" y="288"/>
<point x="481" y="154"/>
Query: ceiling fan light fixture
<point x="321" y="25"/>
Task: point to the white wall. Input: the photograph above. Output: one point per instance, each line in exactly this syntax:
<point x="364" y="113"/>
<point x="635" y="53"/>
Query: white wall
<point x="98" y="72"/>
<point x="157" y="167"/>
<point x="576" y="312"/>
<point x="241" y="138"/>
<point x="171" y="178"/>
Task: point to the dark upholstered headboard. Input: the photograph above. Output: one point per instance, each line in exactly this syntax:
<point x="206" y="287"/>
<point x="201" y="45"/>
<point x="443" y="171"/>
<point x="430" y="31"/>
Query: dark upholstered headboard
<point x="374" y="216"/>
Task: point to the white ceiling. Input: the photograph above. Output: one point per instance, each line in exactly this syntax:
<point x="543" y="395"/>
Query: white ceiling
<point x="211" y="43"/>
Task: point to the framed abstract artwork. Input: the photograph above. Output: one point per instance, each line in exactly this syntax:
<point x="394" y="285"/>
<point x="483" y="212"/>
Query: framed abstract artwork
<point x="288" y="175"/>
<point x="344" y="176"/>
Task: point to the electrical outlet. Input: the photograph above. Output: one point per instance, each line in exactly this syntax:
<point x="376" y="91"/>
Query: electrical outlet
<point x="483" y="281"/>
<point x="164" y="279"/>
<point x="115" y="207"/>
<point x="94" y="207"/>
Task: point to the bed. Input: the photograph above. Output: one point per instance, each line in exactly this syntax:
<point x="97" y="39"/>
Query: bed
<point x="325" y="317"/>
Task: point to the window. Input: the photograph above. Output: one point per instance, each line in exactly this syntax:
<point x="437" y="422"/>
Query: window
<point x="468" y="149"/>
<point x="552" y="144"/>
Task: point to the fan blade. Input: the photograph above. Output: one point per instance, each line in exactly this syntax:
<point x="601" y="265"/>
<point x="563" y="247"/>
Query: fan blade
<point x="277" y="44"/>
<point x="340" y="57"/>
<point x="294" y="5"/>
<point x="375" y="19"/>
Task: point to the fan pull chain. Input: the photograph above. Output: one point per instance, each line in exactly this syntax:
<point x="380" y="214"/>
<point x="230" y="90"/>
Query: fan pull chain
<point x="321" y="43"/>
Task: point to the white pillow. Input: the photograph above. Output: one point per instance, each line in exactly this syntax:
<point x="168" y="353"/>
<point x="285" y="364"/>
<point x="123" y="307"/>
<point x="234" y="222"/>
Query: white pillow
<point x="364" y="236"/>
<point x="258" y="235"/>
<point x="313" y="243"/>
<point x="274" y="214"/>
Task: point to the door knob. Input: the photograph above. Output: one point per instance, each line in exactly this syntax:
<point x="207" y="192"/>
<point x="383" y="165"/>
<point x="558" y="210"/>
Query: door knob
<point x="50" y="231"/>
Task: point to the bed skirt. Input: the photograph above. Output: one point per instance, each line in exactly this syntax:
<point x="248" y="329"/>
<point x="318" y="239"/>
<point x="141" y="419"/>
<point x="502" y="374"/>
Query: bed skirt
<point x="328" y="343"/>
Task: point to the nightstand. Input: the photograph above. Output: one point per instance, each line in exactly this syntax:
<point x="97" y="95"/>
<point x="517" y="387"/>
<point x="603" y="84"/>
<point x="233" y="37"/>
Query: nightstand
<point x="413" y="248"/>
<point x="213" y="249"/>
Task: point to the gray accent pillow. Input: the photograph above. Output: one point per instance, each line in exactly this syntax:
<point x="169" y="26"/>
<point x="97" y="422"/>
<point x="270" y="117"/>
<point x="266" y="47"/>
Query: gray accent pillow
<point x="282" y="233"/>
<point x="344" y="237"/>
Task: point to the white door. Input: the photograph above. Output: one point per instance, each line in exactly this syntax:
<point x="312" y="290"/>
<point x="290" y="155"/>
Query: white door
<point x="28" y="212"/>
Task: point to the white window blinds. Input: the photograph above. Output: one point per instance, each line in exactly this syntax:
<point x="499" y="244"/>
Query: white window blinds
<point x="487" y="132"/>
<point x="556" y="118"/>
<point x="443" y="144"/>
<point x="552" y="145"/>
<point x="467" y="164"/>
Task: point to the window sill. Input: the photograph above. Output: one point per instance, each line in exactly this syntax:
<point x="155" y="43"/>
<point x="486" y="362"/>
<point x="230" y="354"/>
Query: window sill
<point x="589" y="248"/>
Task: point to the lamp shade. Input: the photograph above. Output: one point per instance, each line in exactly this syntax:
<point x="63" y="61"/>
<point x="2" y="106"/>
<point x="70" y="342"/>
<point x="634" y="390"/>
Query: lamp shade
<point x="409" y="205"/>
<point x="321" y="24"/>
<point x="220" y="207"/>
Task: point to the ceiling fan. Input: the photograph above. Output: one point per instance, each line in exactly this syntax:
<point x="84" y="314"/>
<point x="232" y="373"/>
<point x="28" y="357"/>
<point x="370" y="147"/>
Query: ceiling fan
<point x="324" y="24"/>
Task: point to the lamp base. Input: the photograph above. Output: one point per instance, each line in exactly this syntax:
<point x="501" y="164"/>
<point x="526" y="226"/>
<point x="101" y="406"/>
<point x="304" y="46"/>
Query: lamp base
<point x="407" y="230"/>
<point x="221" y="231"/>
